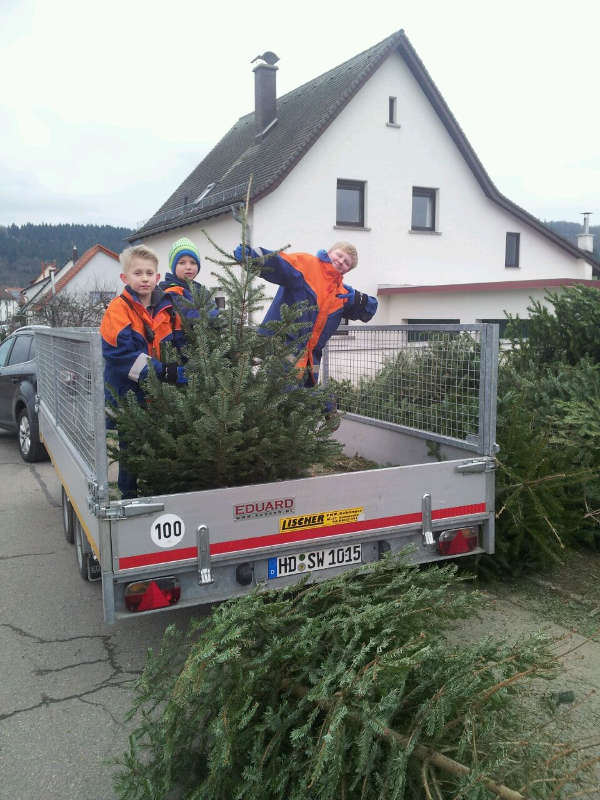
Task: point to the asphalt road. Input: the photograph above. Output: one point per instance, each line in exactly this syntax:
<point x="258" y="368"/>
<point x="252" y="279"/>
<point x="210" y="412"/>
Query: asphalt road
<point x="66" y="676"/>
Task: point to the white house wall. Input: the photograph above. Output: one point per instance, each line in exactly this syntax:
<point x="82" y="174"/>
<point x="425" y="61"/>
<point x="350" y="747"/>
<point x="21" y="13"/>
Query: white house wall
<point x="469" y="244"/>
<point x="463" y="306"/>
<point x="224" y="230"/>
<point x="100" y="273"/>
<point x="359" y="145"/>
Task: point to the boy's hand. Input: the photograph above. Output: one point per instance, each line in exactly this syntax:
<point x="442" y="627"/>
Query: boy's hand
<point x="244" y="251"/>
<point x="348" y="297"/>
<point x="174" y="373"/>
<point x="358" y="300"/>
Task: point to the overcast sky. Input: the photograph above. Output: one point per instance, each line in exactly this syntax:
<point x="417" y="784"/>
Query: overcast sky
<point x="106" y="107"/>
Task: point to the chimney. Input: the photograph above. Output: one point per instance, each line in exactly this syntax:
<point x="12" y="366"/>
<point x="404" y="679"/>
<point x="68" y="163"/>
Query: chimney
<point x="52" y="272"/>
<point x="75" y="256"/>
<point x="585" y="240"/>
<point x="265" y="92"/>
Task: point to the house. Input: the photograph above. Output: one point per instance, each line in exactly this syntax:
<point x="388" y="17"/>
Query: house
<point x="369" y="151"/>
<point x="10" y="299"/>
<point x="92" y="278"/>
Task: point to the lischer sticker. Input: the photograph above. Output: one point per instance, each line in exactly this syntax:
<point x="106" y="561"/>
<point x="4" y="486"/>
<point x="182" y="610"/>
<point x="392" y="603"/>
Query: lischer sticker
<point x="321" y="519"/>
<point x="167" y="530"/>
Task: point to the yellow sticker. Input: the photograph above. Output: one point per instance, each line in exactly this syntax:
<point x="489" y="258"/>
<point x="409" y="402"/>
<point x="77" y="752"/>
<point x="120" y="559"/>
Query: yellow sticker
<point x="320" y="519"/>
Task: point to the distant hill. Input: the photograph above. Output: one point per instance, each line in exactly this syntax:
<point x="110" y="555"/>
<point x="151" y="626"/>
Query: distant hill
<point x="24" y="247"/>
<point x="569" y="231"/>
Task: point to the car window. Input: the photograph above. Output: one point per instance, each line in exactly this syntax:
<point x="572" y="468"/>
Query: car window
<point x="5" y="349"/>
<point x="20" y="351"/>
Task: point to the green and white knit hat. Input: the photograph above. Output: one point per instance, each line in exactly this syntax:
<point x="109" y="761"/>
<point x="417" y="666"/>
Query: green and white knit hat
<point x="183" y="247"/>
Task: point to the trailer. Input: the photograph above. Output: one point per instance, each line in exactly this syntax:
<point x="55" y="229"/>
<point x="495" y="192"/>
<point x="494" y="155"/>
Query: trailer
<point x="418" y="400"/>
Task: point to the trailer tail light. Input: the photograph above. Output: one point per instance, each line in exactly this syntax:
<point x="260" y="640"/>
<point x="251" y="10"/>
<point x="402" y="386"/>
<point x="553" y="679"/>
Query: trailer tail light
<point x="146" y="595"/>
<point x="462" y="540"/>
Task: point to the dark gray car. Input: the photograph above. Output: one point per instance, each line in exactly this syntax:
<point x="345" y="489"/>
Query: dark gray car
<point x="17" y="392"/>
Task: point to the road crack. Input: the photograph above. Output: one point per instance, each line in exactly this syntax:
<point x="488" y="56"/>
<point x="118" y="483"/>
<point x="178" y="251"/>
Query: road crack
<point x="119" y="678"/>
<point x="28" y="555"/>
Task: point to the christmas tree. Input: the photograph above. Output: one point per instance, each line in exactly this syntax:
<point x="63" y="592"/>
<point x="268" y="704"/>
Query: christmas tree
<point x="244" y="415"/>
<point x="350" y="690"/>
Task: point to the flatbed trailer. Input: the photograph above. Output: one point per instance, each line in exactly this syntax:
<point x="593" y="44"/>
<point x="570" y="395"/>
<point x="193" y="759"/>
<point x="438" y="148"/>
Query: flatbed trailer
<point x="435" y="490"/>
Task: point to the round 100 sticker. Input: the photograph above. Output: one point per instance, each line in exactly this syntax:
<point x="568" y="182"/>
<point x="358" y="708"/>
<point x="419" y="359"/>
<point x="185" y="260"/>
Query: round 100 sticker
<point x="167" y="531"/>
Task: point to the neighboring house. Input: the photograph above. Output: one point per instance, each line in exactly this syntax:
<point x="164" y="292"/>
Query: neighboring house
<point x="9" y="304"/>
<point x="93" y="277"/>
<point x="370" y="152"/>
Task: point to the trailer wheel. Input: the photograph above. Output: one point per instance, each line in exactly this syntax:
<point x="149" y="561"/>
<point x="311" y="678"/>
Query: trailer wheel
<point x="68" y="524"/>
<point x="81" y="549"/>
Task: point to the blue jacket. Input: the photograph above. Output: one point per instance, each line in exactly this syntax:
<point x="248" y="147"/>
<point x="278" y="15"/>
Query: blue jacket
<point x="179" y="288"/>
<point x="304" y="277"/>
<point x="132" y="339"/>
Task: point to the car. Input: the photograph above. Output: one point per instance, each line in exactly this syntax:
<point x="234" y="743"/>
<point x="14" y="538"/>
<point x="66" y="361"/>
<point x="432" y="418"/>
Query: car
<point x="18" y="386"/>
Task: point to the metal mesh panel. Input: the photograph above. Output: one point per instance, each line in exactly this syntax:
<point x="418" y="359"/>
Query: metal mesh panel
<point x="422" y="377"/>
<point x="65" y="386"/>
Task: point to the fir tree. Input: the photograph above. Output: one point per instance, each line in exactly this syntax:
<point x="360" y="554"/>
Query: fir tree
<point x="349" y="690"/>
<point x="244" y="416"/>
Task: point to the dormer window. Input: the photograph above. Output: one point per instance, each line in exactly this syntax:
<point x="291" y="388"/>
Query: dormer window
<point x="204" y="192"/>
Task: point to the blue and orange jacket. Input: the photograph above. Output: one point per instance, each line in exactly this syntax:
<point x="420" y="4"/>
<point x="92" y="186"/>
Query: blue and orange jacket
<point x="304" y="277"/>
<point x="180" y="288"/>
<point x="132" y="339"/>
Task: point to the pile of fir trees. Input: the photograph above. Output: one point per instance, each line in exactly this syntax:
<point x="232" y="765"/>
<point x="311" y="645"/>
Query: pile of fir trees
<point x="244" y="415"/>
<point x="548" y="476"/>
<point x="350" y="689"/>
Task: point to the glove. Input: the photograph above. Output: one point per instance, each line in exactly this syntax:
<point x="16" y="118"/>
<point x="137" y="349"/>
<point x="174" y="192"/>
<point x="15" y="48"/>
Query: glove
<point x="348" y="297"/>
<point x="173" y="373"/>
<point x="244" y="251"/>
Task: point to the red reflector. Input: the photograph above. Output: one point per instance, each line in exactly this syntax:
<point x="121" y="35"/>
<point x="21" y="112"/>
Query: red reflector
<point x="147" y="595"/>
<point x="463" y="540"/>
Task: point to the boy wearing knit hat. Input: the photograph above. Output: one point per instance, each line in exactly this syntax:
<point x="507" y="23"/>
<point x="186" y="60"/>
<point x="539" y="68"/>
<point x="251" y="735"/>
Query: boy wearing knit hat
<point x="184" y="266"/>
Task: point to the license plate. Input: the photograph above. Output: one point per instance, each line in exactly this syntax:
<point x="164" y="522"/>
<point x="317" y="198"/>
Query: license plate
<point x="314" y="560"/>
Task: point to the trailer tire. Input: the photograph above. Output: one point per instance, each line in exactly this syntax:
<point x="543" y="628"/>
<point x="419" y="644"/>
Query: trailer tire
<point x="82" y="554"/>
<point x="68" y="515"/>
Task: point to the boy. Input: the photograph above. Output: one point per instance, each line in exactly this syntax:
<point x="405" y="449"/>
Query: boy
<point x="317" y="279"/>
<point x="133" y="327"/>
<point x="184" y="266"/>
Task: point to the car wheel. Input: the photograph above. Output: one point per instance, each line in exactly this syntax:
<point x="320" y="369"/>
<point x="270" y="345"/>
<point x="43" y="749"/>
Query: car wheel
<point x="81" y="551"/>
<point x="30" y="447"/>
<point x="68" y="524"/>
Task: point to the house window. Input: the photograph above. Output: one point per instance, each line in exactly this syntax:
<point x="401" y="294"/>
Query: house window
<point x="423" y="209"/>
<point x="511" y="257"/>
<point x="204" y="192"/>
<point x="519" y="326"/>
<point x="103" y="298"/>
<point x="423" y="336"/>
<point x="392" y="110"/>
<point x="350" y="203"/>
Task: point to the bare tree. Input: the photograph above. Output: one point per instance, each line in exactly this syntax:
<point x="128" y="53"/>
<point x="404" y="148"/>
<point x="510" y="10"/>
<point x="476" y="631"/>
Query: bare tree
<point x="73" y="310"/>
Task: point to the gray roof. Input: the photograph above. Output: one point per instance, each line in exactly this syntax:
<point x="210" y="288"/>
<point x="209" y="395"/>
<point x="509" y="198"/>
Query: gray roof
<point x="302" y="116"/>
